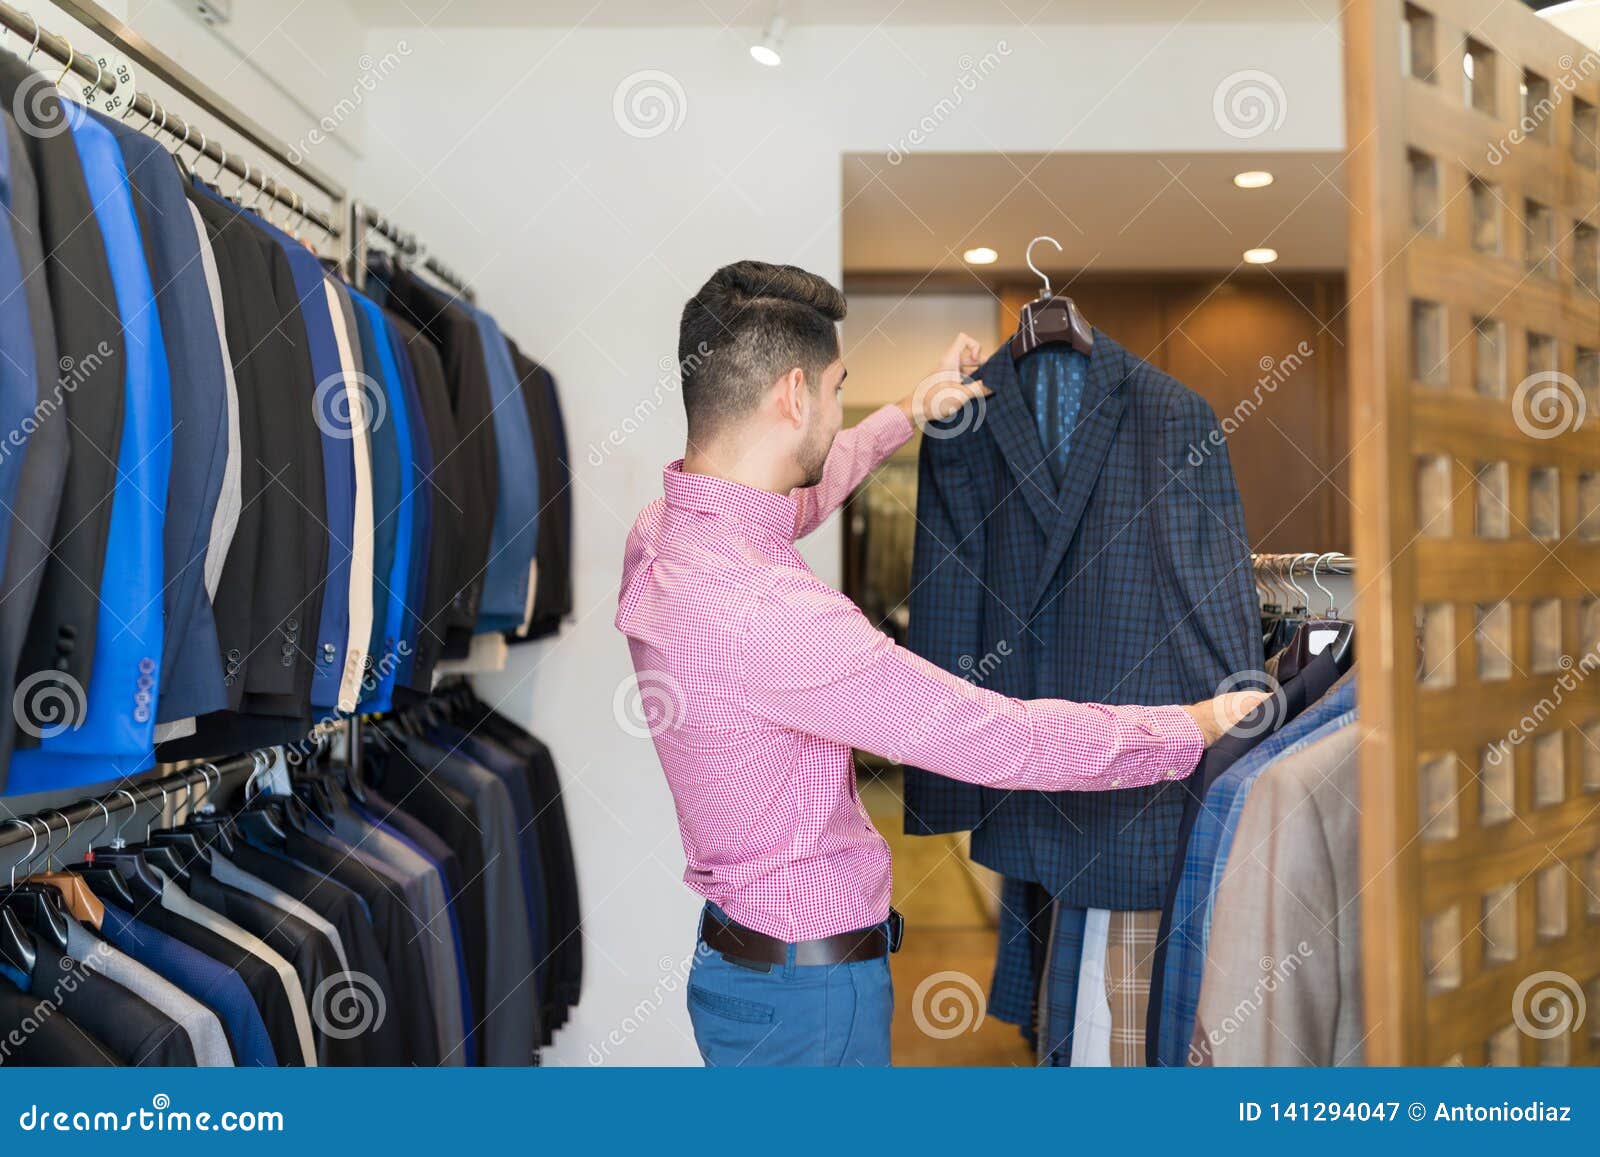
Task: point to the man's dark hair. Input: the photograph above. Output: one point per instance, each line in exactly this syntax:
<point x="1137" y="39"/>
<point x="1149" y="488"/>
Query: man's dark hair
<point x="748" y="325"/>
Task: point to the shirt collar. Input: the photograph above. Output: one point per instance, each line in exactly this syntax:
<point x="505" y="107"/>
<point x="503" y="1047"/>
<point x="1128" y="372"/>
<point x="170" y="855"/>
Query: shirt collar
<point x="774" y="513"/>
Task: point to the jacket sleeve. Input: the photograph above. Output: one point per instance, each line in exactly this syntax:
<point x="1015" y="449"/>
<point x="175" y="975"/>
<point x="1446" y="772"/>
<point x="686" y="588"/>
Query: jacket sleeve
<point x="812" y="662"/>
<point x="855" y="454"/>
<point x="1206" y="579"/>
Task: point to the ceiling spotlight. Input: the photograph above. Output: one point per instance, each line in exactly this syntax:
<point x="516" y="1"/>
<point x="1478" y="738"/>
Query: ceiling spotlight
<point x="1253" y="179"/>
<point x="1261" y="256"/>
<point x="982" y="255"/>
<point x="766" y="51"/>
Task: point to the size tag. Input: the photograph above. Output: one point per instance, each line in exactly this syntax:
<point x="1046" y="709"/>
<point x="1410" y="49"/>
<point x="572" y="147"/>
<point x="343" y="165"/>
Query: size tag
<point x="1322" y="640"/>
<point x="114" y="68"/>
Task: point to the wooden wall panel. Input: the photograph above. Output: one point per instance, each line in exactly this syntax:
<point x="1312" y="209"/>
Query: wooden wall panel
<point x="1475" y="422"/>
<point x="1239" y="342"/>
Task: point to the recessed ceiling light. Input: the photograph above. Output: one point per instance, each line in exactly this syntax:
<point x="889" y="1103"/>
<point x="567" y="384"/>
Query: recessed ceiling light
<point x="1253" y="179"/>
<point x="766" y="50"/>
<point x="1262" y="256"/>
<point x="982" y="255"/>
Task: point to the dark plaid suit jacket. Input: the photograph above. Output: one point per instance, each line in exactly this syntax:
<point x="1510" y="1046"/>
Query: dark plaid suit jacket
<point x="1130" y="583"/>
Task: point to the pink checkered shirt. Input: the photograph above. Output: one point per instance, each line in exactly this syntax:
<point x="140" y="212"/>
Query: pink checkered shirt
<point x="757" y="679"/>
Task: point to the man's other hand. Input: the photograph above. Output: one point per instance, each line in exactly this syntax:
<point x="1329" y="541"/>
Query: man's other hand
<point x="1215" y="717"/>
<point x="949" y="386"/>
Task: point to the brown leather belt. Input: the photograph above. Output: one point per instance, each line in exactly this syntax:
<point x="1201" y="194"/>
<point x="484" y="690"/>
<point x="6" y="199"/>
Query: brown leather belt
<point x="741" y="945"/>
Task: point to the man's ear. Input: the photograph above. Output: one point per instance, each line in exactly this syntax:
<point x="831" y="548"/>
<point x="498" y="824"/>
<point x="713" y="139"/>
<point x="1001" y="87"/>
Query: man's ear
<point x="791" y="390"/>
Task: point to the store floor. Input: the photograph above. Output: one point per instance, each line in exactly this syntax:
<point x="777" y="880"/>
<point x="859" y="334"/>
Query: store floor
<point x="949" y="946"/>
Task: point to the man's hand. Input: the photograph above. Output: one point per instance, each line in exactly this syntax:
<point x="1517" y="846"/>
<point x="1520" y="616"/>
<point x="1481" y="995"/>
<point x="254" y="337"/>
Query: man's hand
<point x="949" y="386"/>
<point x="1217" y="716"/>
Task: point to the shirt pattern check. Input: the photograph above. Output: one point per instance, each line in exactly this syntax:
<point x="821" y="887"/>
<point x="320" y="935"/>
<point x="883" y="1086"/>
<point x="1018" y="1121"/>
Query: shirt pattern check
<point x="757" y="679"/>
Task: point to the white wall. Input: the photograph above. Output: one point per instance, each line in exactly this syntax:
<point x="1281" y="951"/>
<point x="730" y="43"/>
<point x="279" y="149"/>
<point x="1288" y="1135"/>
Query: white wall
<point x="890" y="340"/>
<point x="501" y="147"/>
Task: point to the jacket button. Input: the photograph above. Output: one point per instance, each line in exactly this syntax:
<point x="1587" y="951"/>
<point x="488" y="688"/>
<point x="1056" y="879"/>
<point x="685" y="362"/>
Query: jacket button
<point x="227" y="680"/>
<point x="233" y="653"/>
<point x="147" y="665"/>
<point x="66" y="631"/>
<point x="293" y="624"/>
<point x="327" y="652"/>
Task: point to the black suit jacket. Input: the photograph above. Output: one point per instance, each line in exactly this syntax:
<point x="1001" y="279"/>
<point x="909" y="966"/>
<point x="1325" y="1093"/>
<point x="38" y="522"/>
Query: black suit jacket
<point x="88" y="329"/>
<point x="466" y="370"/>
<point x="133" y="1028"/>
<point x="552" y="596"/>
<point x="55" y="1041"/>
<point x="44" y="462"/>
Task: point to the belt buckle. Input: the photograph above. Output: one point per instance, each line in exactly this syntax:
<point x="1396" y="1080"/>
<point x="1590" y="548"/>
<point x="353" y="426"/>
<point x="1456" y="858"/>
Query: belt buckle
<point x="896" y="929"/>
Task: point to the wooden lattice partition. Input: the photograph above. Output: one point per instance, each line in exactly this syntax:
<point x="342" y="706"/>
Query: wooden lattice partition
<point x="1475" y="381"/>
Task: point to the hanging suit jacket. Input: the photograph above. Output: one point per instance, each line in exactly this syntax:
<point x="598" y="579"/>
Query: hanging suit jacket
<point x="42" y="458"/>
<point x="552" y="597"/>
<point x="1128" y="583"/>
<point x="191" y="666"/>
<point x="119" y="719"/>
<point x="1290" y="900"/>
<point x="87" y="409"/>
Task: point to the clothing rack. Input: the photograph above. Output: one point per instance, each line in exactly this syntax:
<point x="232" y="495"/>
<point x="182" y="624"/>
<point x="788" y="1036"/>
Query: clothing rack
<point x="154" y="62"/>
<point x="364" y="219"/>
<point x="347" y="218"/>
<point x="1289" y="565"/>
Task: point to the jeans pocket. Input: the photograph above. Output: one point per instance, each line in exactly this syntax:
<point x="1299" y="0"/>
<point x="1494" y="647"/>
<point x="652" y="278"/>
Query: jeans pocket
<point x="730" y="1007"/>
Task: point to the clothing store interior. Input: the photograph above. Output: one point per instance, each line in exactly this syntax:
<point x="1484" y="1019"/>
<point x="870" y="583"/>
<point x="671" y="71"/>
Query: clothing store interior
<point x="341" y="352"/>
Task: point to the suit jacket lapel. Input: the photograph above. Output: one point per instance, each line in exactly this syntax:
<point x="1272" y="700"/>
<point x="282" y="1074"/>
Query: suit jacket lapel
<point x="1010" y="417"/>
<point x="1098" y="419"/>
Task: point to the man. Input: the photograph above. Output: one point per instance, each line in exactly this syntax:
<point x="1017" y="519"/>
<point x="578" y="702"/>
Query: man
<point x="759" y="679"/>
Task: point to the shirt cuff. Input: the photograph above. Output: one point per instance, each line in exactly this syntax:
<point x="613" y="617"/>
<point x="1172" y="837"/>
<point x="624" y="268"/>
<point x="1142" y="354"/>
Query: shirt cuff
<point x="1181" y="739"/>
<point x="888" y="427"/>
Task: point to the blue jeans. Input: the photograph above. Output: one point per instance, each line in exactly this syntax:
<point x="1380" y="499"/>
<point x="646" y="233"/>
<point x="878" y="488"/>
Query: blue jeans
<point x="812" y="1014"/>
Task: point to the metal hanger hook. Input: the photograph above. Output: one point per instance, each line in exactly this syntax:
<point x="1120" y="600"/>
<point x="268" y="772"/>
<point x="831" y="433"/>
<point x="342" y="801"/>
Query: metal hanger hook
<point x="162" y="813"/>
<point x="37" y="31"/>
<point x="1320" y="559"/>
<point x="117" y="841"/>
<point x="221" y="165"/>
<point x="104" y="828"/>
<point x="72" y="54"/>
<point x="32" y="835"/>
<point x="50" y="844"/>
<point x="1028" y="257"/>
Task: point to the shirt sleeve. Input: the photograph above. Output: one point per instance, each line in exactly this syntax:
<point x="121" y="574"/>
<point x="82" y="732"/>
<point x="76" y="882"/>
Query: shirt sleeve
<point x="812" y="662"/>
<point x="855" y="454"/>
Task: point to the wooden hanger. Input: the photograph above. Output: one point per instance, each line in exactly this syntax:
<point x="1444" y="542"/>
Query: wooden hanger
<point x="1051" y="318"/>
<point x="82" y="904"/>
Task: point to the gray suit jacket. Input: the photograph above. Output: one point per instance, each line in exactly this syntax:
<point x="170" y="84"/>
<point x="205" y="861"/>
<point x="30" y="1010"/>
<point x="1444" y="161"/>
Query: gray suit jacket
<point x="1282" y="984"/>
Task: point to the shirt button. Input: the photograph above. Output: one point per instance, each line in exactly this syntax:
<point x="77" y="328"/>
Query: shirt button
<point x="1116" y="783"/>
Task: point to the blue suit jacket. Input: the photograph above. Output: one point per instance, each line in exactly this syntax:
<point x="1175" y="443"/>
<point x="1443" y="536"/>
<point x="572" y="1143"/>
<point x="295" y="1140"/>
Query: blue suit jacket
<point x="191" y="665"/>
<point x="1129" y="583"/>
<point x="516" y="517"/>
<point x="119" y="720"/>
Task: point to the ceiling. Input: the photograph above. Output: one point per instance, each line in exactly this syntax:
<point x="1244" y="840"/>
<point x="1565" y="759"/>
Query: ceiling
<point x="754" y="13"/>
<point x="1110" y="211"/>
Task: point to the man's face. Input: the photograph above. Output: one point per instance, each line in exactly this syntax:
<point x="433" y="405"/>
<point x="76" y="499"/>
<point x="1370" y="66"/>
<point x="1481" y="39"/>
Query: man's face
<point x="827" y="419"/>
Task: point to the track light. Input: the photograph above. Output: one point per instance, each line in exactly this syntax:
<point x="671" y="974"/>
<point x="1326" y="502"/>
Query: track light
<point x="767" y="50"/>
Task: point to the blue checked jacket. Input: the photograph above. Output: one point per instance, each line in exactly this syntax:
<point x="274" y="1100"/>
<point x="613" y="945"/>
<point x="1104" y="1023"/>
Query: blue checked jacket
<point x="1130" y="583"/>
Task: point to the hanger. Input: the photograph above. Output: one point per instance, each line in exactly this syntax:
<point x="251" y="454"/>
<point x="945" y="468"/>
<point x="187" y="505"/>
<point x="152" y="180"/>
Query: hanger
<point x="206" y="824"/>
<point x="1050" y="318"/>
<point x="72" y="54"/>
<point x="1318" y="636"/>
<point x="258" y="820"/>
<point x="102" y="880"/>
<point x="76" y="897"/>
<point x="130" y="863"/>
<point x="37" y="908"/>
<point x="37" y="31"/>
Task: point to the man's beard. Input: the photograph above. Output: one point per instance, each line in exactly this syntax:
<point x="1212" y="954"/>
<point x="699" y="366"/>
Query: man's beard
<point x="813" y="457"/>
